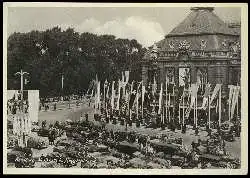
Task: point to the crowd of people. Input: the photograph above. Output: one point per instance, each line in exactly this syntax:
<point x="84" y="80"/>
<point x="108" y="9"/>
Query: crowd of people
<point x="15" y="106"/>
<point x="86" y="133"/>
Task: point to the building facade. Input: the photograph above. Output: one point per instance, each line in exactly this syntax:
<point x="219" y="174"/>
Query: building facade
<point x="200" y="49"/>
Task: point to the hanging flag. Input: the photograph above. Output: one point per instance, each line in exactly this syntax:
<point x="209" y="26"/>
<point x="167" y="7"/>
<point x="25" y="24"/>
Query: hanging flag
<point x="160" y="100"/>
<point x="119" y="94"/>
<point x="132" y="87"/>
<point x="137" y="104"/>
<point x="230" y="97"/>
<point x="96" y="78"/>
<point x="126" y="76"/>
<point x="231" y="91"/>
<point x="107" y="92"/>
<point x="194" y="89"/>
<point x="167" y="81"/>
<point x="193" y="92"/>
<point x="137" y="99"/>
<point x="14" y="125"/>
<point x="216" y="106"/>
<point x="132" y="98"/>
<point x="215" y="92"/>
<point x="33" y="100"/>
<point x="99" y="94"/>
<point x="127" y="99"/>
<point x="154" y="87"/>
<point x="112" y="95"/>
<point x="234" y="100"/>
<point x="143" y="93"/>
<point x="131" y="93"/>
<point x="206" y="95"/>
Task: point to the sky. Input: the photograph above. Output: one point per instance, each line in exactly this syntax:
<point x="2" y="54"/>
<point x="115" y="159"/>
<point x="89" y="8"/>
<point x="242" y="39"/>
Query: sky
<point x="145" y="24"/>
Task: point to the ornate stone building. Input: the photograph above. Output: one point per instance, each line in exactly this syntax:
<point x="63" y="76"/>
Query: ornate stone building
<point x="201" y="49"/>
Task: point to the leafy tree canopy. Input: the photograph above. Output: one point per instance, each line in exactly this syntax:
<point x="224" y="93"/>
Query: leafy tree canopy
<point x="47" y="55"/>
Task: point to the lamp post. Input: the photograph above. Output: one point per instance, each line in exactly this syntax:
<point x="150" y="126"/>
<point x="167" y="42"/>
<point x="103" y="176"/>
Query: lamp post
<point x="22" y="138"/>
<point x="21" y="74"/>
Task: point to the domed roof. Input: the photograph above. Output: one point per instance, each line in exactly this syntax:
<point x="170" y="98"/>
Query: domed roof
<point x="201" y="20"/>
<point x="200" y="30"/>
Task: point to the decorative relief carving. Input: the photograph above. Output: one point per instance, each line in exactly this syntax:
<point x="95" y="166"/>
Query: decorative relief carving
<point x="171" y="45"/>
<point x="203" y="44"/>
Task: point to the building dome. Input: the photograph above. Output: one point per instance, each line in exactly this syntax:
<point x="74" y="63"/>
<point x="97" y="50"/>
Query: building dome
<point x="201" y="20"/>
<point x="202" y="29"/>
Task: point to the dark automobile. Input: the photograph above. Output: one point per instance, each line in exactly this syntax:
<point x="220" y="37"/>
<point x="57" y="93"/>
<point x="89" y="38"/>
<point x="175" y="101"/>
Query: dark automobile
<point x="172" y="152"/>
<point x="43" y="132"/>
<point x="126" y="147"/>
<point x="167" y="148"/>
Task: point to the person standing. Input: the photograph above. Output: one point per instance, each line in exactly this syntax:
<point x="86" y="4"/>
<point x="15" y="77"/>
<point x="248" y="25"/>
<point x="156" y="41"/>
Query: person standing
<point x="86" y="117"/>
<point x="196" y="131"/>
<point x="209" y="132"/>
<point x="55" y="106"/>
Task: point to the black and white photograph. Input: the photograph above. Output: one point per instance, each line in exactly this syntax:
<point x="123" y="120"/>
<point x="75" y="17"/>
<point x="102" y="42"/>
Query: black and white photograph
<point x="151" y="89"/>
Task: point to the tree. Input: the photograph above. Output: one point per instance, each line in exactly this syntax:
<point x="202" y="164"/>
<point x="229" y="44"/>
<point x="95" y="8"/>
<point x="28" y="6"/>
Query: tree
<point x="47" y="55"/>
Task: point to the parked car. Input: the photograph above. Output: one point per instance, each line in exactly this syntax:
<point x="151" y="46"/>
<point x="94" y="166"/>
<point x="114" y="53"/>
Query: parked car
<point x="43" y="132"/>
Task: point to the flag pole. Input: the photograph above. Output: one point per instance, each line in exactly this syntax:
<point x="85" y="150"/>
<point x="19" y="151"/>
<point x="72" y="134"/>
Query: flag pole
<point x="180" y="108"/>
<point x="142" y="100"/>
<point x="229" y="108"/>
<point x="169" y="107"/>
<point x="220" y="107"/>
<point x="166" y="114"/>
<point x="237" y="103"/>
<point x="183" y="109"/>
<point x="196" y="110"/>
<point x="209" y="111"/>
<point x="137" y="106"/>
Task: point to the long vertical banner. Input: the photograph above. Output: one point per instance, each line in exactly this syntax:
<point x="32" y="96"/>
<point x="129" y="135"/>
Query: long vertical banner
<point x="160" y="100"/>
<point x="112" y="95"/>
<point x="234" y="100"/>
<point x="33" y="99"/>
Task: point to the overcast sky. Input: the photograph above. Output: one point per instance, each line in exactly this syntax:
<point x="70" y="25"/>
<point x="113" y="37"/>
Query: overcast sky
<point x="145" y="24"/>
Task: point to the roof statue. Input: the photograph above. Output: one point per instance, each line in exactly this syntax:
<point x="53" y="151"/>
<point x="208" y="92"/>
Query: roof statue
<point x="203" y="44"/>
<point x="171" y="45"/>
